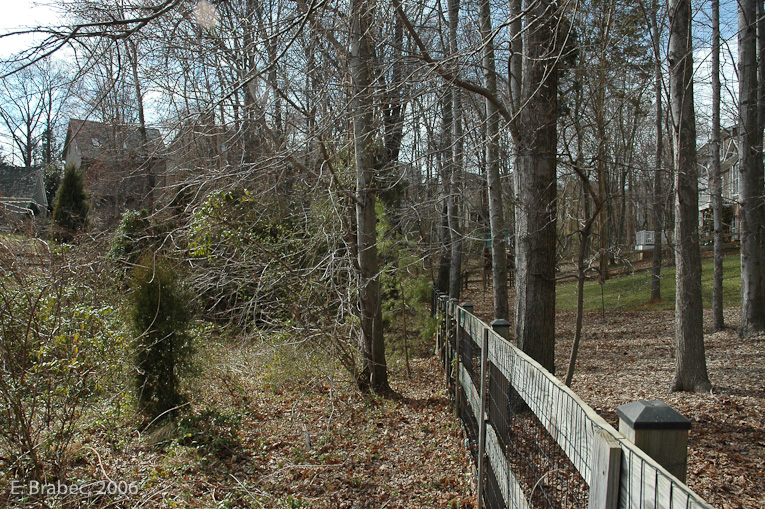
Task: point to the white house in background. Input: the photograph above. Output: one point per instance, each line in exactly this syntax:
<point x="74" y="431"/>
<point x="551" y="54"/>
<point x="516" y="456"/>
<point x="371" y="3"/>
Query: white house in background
<point x="730" y="140"/>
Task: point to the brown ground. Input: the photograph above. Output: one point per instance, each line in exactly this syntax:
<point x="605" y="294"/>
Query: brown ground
<point x="310" y="441"/>
<point x="629" y="356"/>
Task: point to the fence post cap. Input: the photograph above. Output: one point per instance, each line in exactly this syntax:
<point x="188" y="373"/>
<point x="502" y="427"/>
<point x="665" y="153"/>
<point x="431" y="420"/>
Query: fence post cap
<point x="467" y="304"/>
<point x="499" y="322"/>
<point x="652" y="415"/>
<point x="453" y="299"/>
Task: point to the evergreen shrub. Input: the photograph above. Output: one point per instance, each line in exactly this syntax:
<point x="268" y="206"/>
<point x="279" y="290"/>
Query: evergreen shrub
<point x="160" y="313"/>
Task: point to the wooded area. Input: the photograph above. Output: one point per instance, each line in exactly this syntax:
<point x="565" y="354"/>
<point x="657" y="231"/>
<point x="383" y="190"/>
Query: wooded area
<point x="309" y="171"/>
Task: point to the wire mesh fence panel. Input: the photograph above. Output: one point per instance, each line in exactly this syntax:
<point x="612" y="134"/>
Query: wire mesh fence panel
<point x="568" y="420"/>
<point x="535" y="470"/>
<point x="470" y="357"/>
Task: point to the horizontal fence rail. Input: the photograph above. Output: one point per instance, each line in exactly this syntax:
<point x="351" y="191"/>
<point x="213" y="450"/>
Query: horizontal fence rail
<point x="534" y="441"/>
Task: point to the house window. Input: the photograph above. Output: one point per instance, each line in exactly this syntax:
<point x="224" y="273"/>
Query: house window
<point x="734" y="182"/>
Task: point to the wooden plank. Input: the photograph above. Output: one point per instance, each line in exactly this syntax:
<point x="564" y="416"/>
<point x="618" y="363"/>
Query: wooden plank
<point x="606" y="468"/>
<point x="471" y="392"/>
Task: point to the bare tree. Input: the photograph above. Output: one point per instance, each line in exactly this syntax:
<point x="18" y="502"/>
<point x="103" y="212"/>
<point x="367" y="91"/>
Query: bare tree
<point x="455" y="228"/>
<point x="690" y="356"/>
<point x="374" y="374"/>
<point x="718" y="322"/>
<point x="23" y="111"/>
<point x="496" y="205"/>
<point x="751" y="199"/>
<point x="658" y="196"/>
<point x="536" y="137"/>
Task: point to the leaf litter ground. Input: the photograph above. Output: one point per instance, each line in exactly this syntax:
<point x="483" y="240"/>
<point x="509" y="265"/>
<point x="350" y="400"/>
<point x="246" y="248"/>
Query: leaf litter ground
<point x="303" y="441"/>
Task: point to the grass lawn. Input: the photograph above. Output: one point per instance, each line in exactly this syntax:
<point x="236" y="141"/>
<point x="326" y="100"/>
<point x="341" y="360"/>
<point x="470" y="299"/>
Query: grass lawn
<point x="633" y="292"/>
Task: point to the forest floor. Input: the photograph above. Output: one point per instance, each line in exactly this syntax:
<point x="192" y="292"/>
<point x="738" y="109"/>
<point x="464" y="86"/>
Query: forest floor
<point x="628" y="356"/>
<point x="272" y="428"/>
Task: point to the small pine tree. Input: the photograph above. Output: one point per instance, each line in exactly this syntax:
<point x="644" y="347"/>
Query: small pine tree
<point x="71" y="210"/>
<point x="159" y="316"/>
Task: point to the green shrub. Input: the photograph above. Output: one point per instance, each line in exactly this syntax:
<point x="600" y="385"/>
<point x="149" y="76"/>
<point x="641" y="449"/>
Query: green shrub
<point x="61" y="344"/>
<point x="71" y="210"/>
<point x="405" y="290"/>
<point x="159" y="317"/>
<point x="133" y="236"/>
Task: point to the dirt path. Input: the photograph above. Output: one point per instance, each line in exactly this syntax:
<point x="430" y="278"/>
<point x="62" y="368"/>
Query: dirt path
<point x="280" y="442"/>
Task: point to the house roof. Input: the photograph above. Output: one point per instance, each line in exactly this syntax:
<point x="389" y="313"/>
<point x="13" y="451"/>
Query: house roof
<point x="23" y="185"/>
<point x="99" y="141"/>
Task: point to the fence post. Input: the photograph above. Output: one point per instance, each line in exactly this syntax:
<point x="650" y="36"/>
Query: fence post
<point x="441" y="324"/>
<point x="660" y="431"/>
<point x="452" y="338"/>
<point x="606" y="469"/>
<point x="482" y="419"/>
<point x="501" y="327"/>
<point x="437" y="316"/>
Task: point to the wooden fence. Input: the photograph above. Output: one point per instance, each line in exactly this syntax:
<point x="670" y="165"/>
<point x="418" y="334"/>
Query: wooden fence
<point x="535" y="442"/>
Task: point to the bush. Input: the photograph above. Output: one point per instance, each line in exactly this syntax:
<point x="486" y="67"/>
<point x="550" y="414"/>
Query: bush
<point x="159" y="317"/>
<point x="71" y="210"/>
<point x="59" y="342"/>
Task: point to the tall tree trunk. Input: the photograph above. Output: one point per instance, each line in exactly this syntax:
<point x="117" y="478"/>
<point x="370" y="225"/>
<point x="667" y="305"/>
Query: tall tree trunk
<point x="445" y="160"/>
<point x="536" y="139"/>
<point x="605" y="213"/>
<point x="690" y="361"/>
<point x="718" y="322"/>
<point x="658" y="195"/>
<point x="455" y="283"/>
<point x="445" y="253"/>
<point x="751" y="200"/>
<point x="374" y="373"/>
<point x="496" y="206"/>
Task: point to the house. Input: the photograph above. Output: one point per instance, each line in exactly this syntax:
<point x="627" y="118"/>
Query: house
<point x="22" y="192"/>
<point x="729" y="172"/>
<point x="122" y="166"/>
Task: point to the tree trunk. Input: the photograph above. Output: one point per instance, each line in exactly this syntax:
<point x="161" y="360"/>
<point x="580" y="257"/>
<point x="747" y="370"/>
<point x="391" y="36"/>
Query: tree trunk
<point x="658" y="198"/>
<point x="445" y="159"/>
<point x="751" y="201"/>
<point x="605" y="213"/>
<point x="536" y="139"/>
<point x="715" y="178"/>
<point x="455" y="283"/>
<point x="374" y="373"/>
<point x="581" y="266"/>
<point x="690" y="362"/>
<point x="496" y="207"/>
